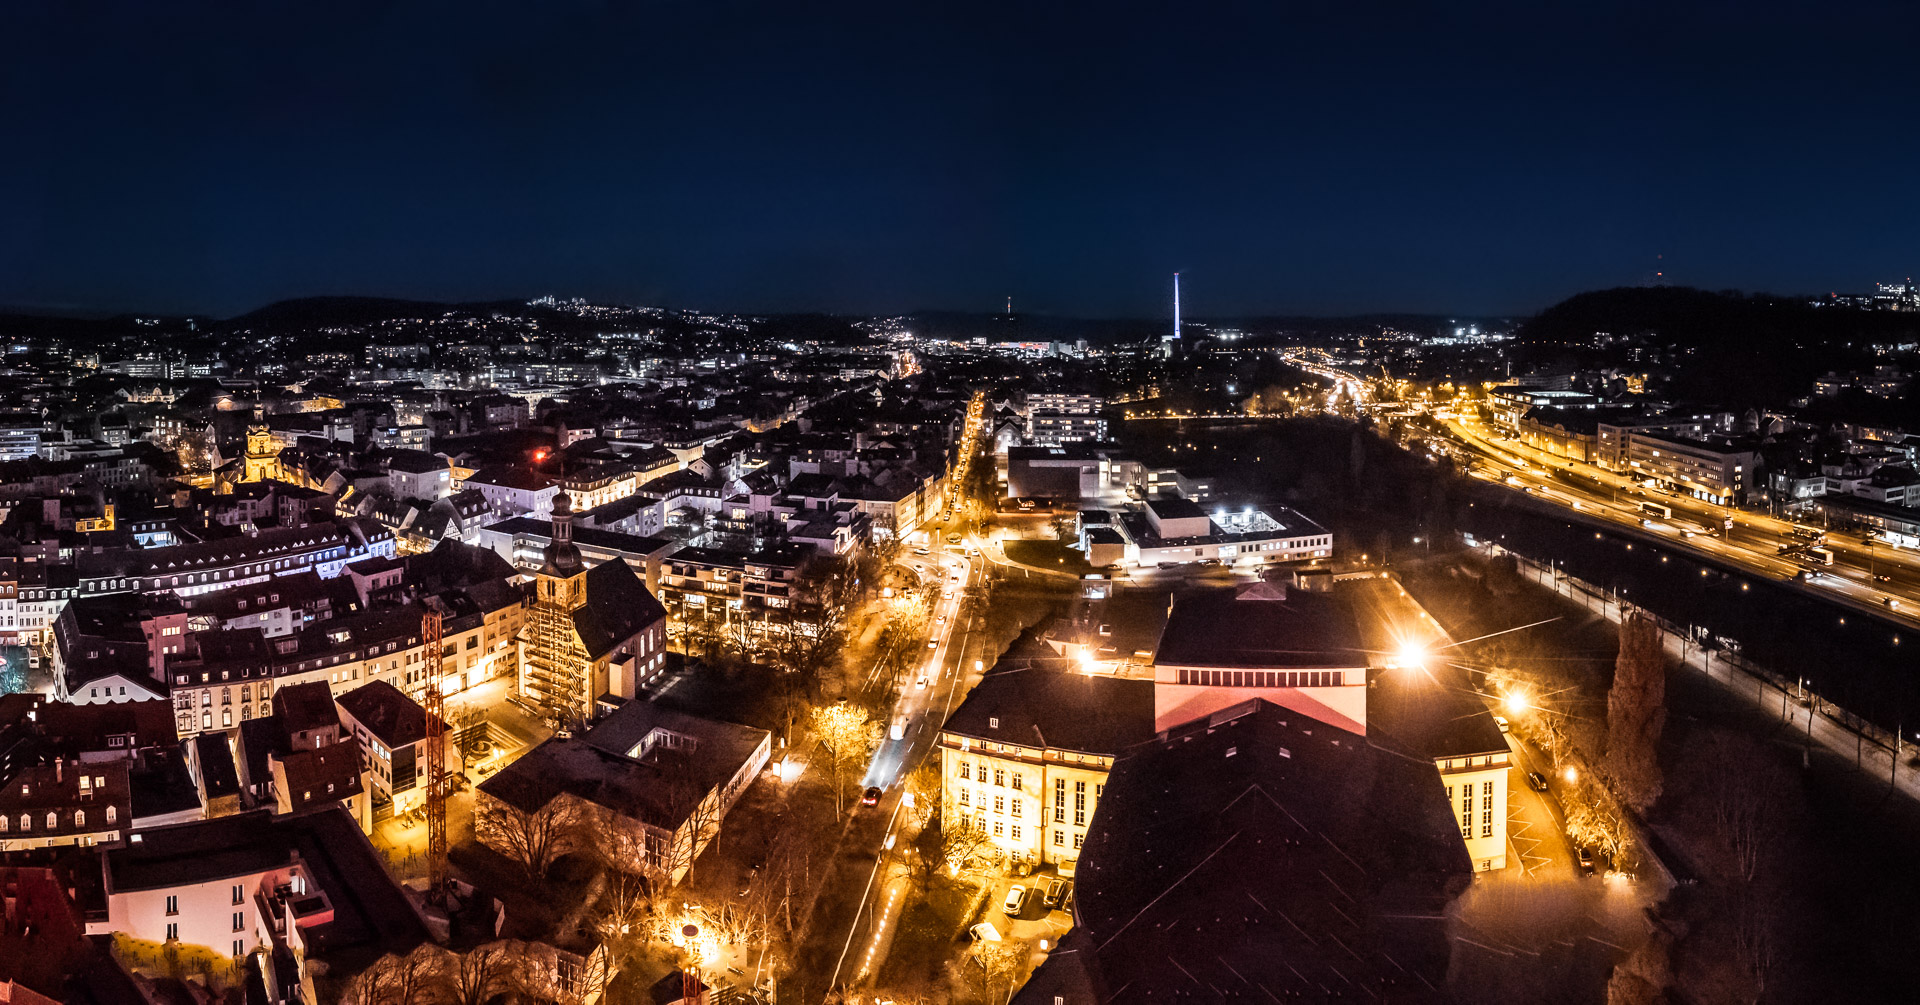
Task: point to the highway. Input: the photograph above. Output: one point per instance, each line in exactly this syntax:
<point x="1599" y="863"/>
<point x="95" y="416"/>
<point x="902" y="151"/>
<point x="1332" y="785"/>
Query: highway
<point x="1756" y="543"/>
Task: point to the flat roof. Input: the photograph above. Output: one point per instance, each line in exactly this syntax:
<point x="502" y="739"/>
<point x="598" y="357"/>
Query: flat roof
<point x="1217" y="628"/>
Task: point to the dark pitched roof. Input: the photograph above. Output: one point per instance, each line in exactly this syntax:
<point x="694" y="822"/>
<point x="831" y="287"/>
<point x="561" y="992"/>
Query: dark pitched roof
<point x="618" y="606"/>
<point x="1265" y="848"/>
<point x="1216" y="628"/>
<point x="320" y="776"/>
<point x="218" y="776"/>
<point x="1060" y="709"/>
<point x="393" y="718"/>
<point x="305" y="706"/>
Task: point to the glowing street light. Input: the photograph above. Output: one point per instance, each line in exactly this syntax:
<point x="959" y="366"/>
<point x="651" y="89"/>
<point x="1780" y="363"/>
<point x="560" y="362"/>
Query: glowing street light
<point x="1515" y="703"/>
<point x="1411" y="654"/>
<point x="1572" y="775"/>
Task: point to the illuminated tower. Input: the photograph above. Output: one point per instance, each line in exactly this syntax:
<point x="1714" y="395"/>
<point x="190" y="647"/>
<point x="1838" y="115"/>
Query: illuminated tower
<point x="1171" y="343"/>
<point x="261" y="460"/>
<point x="557" y="673"/>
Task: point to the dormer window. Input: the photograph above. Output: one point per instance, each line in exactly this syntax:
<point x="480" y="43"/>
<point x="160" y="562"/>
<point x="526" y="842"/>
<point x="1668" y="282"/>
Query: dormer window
<point x="993" y="722"/>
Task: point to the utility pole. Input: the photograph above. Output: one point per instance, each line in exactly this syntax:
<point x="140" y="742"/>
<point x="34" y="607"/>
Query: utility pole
<point x="435" y="705"/>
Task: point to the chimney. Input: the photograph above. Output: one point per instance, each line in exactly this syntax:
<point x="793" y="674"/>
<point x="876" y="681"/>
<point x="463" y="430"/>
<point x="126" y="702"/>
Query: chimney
<point x="59" y="769"/>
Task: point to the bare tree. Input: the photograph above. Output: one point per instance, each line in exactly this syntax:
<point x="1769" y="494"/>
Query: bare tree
<point x="994" y="966"/>
<point x="397" y="980"/>
<point x="845" y="731"/>
<point x="533" y="839"/>
<point x="961" y="843"/>
<point x="1636" y="712"/>
<point x="475" y="976"/>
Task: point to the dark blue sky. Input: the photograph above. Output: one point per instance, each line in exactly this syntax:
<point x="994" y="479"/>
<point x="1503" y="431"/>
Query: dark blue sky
<point x="1316" y="158"/>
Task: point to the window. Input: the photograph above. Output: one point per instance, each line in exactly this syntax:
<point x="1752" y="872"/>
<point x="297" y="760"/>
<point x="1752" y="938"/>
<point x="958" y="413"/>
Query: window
<point x="998" y="828"/>
<point x="1059" y="800"/>
<point x="966" y="770"/>
<point x="1059" y="839"/>
<point x="173" y="905"/>
<point x="173" y="929"/>
<point x="238" y="948"/>
<point x="999" y="776"/>
<point x="999" y="804"/>
<point x="1486" y="809"/>
<point x="1016" y="830"/>
<point x="1466" y="811"/>
<point x="1078" y="840"/>
<point x="238" y="897"/>
<point x="53" y="820"/>
<point x="110" y="814"/>
<point x="1016" y="779"/>
<point x="239" y="921"/>
<point x="1017" y="803"/>
<point x="1079" y="804"/>
<point x="965" y="798"/>
<point x="80" y="817"/>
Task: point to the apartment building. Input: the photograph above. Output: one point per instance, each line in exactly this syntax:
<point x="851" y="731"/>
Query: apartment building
<point x="1024" y="759"/>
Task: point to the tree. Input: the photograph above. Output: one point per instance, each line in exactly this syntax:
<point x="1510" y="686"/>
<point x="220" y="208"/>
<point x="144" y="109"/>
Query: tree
<point x="845" y="731"/>
<point x="533" y="839"/>
<point x="475" y="976"/>
<point x="397" y="980"/>
<point x="960" y="844"/>
<point x="1636" y="711"/>
<point x="993" y="965"/>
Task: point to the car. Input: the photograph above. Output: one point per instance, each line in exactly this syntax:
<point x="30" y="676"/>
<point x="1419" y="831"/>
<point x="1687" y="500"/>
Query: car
<point x="921" y="551"/>
<point x="933" y="643"/>
<point x="984" y="932"/>
<point x="1890" y="602"/>
<point x="871" y="797"/>
<point x="1536" y="781"/>
<point x="899" y="728"/>
<point x="1881" y="577"/>
<point x="1055" y="890"/>
<point x="1585" y="857"/>
<point x="1016" y="901"/>
<point x="1501" y="721"/>
<point x="953" y="539"/>
<point x="941" y="620"/>
<point x="921" y="682"/>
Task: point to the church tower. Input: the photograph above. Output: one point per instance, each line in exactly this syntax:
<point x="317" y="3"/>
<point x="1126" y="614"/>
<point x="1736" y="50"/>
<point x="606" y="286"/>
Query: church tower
<point x="261" y="460"/>
<point x="557" y="673"/>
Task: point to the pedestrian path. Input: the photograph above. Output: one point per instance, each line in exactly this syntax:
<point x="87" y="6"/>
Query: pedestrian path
<point x="1873" y="751"/>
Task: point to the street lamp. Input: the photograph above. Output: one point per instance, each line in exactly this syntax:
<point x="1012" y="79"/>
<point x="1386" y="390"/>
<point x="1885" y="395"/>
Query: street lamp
<point x="1515" y="703"/>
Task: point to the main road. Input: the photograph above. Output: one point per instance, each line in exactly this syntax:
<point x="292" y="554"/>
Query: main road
<point x="1867" y="575"/>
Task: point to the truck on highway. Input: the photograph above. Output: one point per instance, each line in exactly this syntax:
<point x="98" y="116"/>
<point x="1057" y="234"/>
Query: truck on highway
<point x="1820" y="556"/>
<point x="1660" y="510"/>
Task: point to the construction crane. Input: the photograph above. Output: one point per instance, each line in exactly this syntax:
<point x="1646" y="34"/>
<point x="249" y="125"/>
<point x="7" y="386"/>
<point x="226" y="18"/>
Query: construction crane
<point x="435" y="705"/>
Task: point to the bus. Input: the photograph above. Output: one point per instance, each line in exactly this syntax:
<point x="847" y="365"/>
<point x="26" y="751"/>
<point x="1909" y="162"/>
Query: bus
<point x="1662" y="511"/>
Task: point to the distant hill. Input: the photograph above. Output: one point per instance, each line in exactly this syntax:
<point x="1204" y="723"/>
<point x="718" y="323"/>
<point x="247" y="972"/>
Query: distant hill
<point x="325" y="312"/>
<point x="1739" y="348"/>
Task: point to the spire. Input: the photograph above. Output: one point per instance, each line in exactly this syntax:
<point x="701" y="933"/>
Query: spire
<point x="563" y="559"/>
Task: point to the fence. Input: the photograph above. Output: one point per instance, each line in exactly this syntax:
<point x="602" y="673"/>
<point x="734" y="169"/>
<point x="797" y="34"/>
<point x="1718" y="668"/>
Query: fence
<point x="1825" y="723"/>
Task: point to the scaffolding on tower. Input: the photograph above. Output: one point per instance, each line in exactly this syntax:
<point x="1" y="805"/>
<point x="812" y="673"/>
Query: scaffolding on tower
<point x="435" y="704"/>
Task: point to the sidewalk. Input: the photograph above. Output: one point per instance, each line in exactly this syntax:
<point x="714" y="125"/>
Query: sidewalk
<point x="1873" y="752"/>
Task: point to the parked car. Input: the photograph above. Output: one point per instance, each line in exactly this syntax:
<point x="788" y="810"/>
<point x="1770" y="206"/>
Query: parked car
<point x="1536" y="781"/>
<point x="984" y="932"/>
<point x="871" y="797"/>
<point x="1501" y="721"/>
<point x="1016" y="901"/>
<point x="1585" y="857"/>
<point x="1055" y="890"/>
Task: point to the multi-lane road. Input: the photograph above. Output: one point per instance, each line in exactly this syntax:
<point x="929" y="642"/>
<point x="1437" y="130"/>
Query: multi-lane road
<point x="1870" y="576"/>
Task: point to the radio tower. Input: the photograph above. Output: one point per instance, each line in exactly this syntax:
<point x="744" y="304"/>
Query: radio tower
<point x="435" y="704"/>
<point x="1171" y="343"/>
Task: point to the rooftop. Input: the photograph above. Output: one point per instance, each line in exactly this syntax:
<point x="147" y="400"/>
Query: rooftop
<point x="1259" y="630"/>
<point x="1057" y="709"/>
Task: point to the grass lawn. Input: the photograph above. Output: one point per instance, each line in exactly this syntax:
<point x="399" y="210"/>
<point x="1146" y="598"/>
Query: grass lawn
<point x="930" y="933"/>
<point x="1048" y="555"/>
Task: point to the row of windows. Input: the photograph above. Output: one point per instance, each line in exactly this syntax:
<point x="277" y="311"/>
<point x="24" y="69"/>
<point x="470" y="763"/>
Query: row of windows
<point x="53" y="820"/>
<point x="1263" y="678"/>
<point x="968" y="771"/>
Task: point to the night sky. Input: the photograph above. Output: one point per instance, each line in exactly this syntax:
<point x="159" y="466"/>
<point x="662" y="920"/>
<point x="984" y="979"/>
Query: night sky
<point x="1304" y="158"/>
